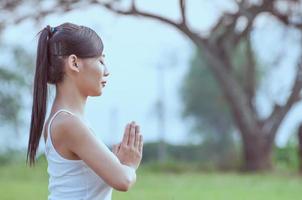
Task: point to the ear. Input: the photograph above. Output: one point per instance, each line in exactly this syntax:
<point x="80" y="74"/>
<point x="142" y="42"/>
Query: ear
<point x="73" y="63"/>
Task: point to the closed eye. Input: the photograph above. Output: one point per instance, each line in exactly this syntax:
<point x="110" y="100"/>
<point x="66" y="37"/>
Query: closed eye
<point x="102" y="62"/>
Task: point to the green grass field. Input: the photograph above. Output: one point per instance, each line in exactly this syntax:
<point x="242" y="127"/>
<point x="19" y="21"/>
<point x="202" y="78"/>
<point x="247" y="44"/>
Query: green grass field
<point x="20" y="182"/>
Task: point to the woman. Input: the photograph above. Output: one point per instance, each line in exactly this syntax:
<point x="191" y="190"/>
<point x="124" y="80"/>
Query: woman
<point x="80" y="167"/>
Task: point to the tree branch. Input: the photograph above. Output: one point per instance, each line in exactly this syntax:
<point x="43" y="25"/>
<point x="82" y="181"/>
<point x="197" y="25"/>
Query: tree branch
<point x="181" y="26"/>
<point x="273" y="122"/>
<point x="246" y="119"/>
<point x="135" y="12"/>
<point x="250" y="71"/>
<point x="182" y="5"/>
<point x="285" y="19"/>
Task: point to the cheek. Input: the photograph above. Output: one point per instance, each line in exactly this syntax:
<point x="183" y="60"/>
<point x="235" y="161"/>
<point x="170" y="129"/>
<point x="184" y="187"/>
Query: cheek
<point x="90" y="86"/>
<point x="89" y="81"/>
<point x="93" y="76"/>
<point x="92" y="72"/>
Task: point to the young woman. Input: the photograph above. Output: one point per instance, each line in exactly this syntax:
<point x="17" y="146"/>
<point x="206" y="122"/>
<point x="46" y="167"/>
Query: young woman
<point x="80" y="166"/>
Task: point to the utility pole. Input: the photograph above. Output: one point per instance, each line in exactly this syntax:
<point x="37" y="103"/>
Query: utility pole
<point x="161" y="107"/>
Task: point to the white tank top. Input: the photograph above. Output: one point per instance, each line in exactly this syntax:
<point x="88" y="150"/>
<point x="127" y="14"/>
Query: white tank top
<point x="72" y="179"/>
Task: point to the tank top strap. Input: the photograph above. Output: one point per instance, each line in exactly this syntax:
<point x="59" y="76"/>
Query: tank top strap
<point x="64" y="110"/>
<point x="52" y="118"/>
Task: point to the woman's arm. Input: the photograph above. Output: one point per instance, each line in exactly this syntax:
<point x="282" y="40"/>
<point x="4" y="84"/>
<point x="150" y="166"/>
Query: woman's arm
<point x="96" y="154"/>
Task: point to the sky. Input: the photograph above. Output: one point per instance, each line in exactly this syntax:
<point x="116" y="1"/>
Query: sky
<point x="136" y="48"/>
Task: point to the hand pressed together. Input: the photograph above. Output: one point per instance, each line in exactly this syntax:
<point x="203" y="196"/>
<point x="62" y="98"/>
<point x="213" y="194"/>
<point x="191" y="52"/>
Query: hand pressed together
<point x="130" y="150"/>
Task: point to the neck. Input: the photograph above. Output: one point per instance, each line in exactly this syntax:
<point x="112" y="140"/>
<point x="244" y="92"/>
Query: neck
<point x="69" y="97"/>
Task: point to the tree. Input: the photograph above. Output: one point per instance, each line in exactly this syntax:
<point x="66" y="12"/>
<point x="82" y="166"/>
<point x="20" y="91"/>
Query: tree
<point x="257" y="134"/>
<point x="13" y="80"/>
<point x="204" y="103"/>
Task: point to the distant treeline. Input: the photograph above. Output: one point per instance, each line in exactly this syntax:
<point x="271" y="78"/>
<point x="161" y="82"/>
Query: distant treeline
<point x="210" y="158"/>
<point x="203" y="157"/>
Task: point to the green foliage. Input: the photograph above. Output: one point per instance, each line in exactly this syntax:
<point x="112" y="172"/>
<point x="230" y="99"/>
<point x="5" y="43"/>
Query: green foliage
<point x="206" y="105"/>
<point x="11" y="156"/>
<point x="172" y="166"/>
<point x="9" y="98"/>
<point x="286" y="158"/>
<point x="240" y="58"/>
<point x="202" y="157"/>
<point x="10" y="106"/>
<point x="203" y="99"/>
<point x="15" y="79"/>
<point x="9" y="76"/>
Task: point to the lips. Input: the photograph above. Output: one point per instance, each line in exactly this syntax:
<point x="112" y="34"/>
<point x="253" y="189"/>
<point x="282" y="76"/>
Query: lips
<point x="103" y="83"/>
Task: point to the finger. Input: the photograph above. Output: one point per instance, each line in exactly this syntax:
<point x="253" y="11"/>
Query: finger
<point x="141" y="144"/>
<point x="126" y="134"/>
<point x="137" y="136"/>
<point x="132" y="134"/>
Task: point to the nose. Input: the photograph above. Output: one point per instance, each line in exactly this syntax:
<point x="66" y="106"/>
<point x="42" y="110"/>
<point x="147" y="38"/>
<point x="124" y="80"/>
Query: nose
<point x="106" y="72"/>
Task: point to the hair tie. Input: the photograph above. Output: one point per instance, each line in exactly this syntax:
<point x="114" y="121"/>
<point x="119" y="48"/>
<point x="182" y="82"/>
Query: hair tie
<point x="53" y="30"/>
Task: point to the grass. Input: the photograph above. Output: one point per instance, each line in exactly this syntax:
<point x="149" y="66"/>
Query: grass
<point x="20" y="182"/>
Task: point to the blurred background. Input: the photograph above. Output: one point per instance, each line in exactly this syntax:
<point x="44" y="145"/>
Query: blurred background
<point x="215" y="86"/>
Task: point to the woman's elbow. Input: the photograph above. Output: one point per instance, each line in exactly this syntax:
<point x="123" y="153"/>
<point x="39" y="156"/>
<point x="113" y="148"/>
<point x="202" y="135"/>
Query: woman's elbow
<point x="122" y="187"/>
<point x="125" y="185"/>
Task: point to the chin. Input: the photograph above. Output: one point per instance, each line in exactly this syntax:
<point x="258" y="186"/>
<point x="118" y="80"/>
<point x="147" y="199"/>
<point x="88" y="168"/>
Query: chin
<point x="96" y="94"/>
<point x="100" y="92"/>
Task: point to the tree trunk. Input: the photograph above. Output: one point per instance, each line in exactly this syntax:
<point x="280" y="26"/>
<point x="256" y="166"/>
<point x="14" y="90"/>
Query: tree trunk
<point x="257" y="152"/>
<point x="257" y="145"/>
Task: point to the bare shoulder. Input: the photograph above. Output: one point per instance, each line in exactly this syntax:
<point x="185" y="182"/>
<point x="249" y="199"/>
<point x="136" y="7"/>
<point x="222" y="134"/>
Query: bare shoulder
<point x="69" y="128"/>
<point x="67" y="122"/>
<point x="78" y="139"/>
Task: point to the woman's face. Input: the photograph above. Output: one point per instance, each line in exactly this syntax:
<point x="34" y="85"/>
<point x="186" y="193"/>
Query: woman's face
<point x="92" y="79"/>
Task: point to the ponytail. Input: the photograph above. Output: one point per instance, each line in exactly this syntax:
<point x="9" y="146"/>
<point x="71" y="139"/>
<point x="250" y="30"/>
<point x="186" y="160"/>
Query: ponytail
<point x="39" y="107"/>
